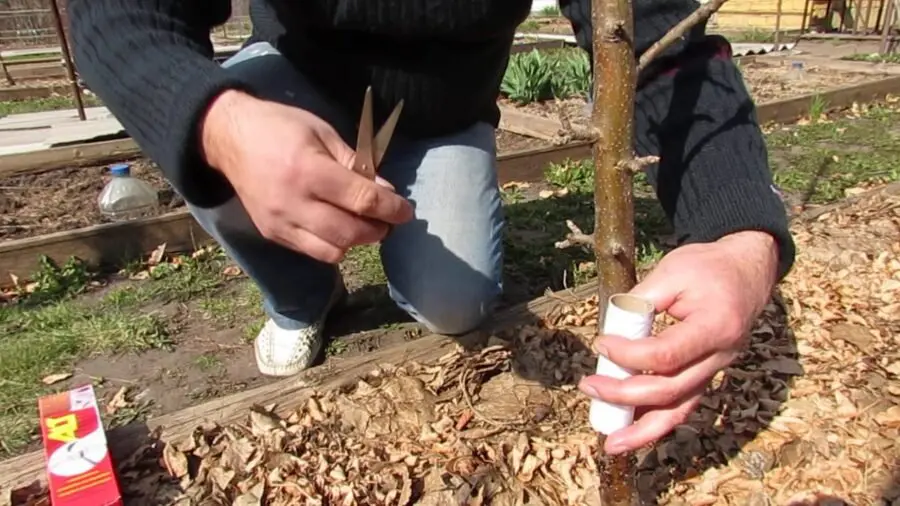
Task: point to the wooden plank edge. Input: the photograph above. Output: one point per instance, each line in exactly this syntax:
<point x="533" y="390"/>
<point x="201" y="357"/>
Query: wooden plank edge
<point x="530" y="125"/>
<point x="794" y="108"/>
<point x="75" y="155"/>
<point x="108" y="245"/>
<point x="291" y="393"/>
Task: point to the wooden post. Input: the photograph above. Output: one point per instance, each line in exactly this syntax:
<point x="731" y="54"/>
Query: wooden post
<point x="868" y="17"/>
<point x="778" y="9"/>
<point x="886" y="26"/>
<point x="67" y="57"/>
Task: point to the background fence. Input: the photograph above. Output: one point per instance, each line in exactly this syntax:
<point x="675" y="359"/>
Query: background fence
<point x="29" y="24"/>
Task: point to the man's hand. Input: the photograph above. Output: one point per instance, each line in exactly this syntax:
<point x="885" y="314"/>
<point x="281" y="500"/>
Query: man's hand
<point x="716" y="290"/>
<point x="290" y="170"/>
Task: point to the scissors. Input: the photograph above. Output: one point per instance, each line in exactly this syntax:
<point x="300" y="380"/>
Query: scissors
<point x="370" y="149"/>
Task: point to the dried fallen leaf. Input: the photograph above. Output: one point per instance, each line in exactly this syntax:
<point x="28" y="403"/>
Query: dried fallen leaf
<point x="55" y="378"/>
<point x="784" y="365"/>
<point x="231" y="271"/>
<point x="176" y="462"/>
<point x="157" y="255"/>
<point x="118" y="401"/>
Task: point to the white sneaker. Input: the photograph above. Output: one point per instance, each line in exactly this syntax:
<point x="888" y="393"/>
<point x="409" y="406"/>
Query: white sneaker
<point x="282" y="352"/>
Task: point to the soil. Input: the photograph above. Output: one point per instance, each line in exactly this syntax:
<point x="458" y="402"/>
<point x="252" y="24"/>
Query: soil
<point x="60" y="200"/>
<point x="768" y="83"/>
<point x="66" y="199"/>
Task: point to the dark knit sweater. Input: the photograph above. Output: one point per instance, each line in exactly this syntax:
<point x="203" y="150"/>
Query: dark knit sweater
<point x="150" y="61"/>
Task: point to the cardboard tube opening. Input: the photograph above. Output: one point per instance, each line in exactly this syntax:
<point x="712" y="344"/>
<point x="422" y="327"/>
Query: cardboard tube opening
<point x="632" y="303"/>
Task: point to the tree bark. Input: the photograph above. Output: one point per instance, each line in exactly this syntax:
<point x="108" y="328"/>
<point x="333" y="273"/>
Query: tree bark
<point x="613" y="120"/>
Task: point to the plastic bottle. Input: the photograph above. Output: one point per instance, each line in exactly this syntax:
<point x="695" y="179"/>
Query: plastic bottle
<point x="126" y="197"/>
<point x="796" y="71"/>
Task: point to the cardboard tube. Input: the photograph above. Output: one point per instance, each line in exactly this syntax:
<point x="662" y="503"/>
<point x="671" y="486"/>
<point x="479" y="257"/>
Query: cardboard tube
<point x="631" y="317"/>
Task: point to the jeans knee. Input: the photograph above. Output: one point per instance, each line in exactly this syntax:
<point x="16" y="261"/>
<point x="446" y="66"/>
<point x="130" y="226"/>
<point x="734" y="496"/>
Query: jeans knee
<point x="451" y="312"/>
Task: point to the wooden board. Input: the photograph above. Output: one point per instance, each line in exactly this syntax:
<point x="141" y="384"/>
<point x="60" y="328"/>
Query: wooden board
<point x="530" y="125"/>
<point x="16" y="93"/>
<point x="791" y="109"/>
<point x="291" y="393"/>
<point x="80" y="155"/>
<point x="21" y="132"/>
<point x="111" y="244"/>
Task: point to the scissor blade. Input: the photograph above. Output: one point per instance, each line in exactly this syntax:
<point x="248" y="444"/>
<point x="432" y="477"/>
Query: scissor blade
<point x="364" y="163"/>
<point x="383" y="138"/>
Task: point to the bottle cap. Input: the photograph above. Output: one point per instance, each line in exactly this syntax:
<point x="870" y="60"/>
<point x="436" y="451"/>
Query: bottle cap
<point x="119" y="169"/>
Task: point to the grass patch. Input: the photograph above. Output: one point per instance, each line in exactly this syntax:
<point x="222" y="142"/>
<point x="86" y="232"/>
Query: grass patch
<point x="820" y="161"/>
<point x="751" y="35"/>
<point x="365" y="264"/>
<point x="52" y="103"/>
<point x="550" y="11"/>
<point x="40" y="341"/>
<point x="49" y="329"/>
<point x="874" y="57"/>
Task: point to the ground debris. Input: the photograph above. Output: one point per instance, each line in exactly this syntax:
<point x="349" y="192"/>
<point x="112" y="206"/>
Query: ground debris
<point x="808" y="415"/>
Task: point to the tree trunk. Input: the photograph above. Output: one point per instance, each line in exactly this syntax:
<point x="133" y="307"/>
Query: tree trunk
<point x="613" y="120"/>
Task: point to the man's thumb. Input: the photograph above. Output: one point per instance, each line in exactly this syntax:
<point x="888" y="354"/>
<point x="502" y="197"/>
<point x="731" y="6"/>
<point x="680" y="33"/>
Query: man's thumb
<point x="655" y="290"/>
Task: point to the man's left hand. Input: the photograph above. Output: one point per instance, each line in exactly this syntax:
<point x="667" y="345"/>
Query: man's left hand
<point x="716" y="290"/>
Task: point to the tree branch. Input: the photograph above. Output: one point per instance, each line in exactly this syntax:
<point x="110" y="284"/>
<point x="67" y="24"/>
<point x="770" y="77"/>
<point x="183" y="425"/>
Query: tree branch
<point x="705" y="11"/>
<point x="575" y="237"/>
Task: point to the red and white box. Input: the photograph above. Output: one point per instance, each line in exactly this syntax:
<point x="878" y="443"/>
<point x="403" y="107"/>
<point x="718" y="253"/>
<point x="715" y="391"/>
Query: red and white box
<point x="79" y="468"/>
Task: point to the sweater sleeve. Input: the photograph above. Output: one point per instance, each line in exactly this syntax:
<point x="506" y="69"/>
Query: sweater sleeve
<point x="150" y="62"/>
<point x="693" y="110"/>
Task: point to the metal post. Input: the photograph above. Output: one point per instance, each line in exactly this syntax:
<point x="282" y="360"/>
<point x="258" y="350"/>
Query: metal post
<point x="67" y="56"/>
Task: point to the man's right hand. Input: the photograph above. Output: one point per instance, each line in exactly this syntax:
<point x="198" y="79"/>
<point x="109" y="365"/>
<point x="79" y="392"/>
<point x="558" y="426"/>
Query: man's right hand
<point x="290" y="170"/>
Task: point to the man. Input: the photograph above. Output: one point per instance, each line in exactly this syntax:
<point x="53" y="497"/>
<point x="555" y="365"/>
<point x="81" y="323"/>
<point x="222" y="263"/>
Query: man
<point x="260" y="150"/>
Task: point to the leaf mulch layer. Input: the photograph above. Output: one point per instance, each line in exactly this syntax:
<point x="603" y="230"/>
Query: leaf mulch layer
<point x="809" y="414"/>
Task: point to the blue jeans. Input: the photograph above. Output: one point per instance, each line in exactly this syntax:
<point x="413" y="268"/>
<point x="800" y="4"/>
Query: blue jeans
<point x="443" y="267"/>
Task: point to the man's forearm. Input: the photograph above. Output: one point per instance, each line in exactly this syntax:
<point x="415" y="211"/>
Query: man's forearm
<point x="713" y="178"/>
<point x="150" y="62"/>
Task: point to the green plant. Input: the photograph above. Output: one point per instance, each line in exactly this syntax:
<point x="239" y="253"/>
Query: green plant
<point x="53" y="282"/>
<point x="817" y="107"/>
<point x="528" y="77"/>
<point x="571" y="75"/>
<point x="535" y="76"/>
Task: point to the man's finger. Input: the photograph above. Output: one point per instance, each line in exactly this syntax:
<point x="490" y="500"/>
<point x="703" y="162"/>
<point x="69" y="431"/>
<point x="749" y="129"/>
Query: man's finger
<point x="653" y="426"/>
<point x="670" y="351"/>
<point x="653" y="390"/>
<point x="338" y="227"/>
<point x="308" y="243"/>
<point x="336" y="185"/>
